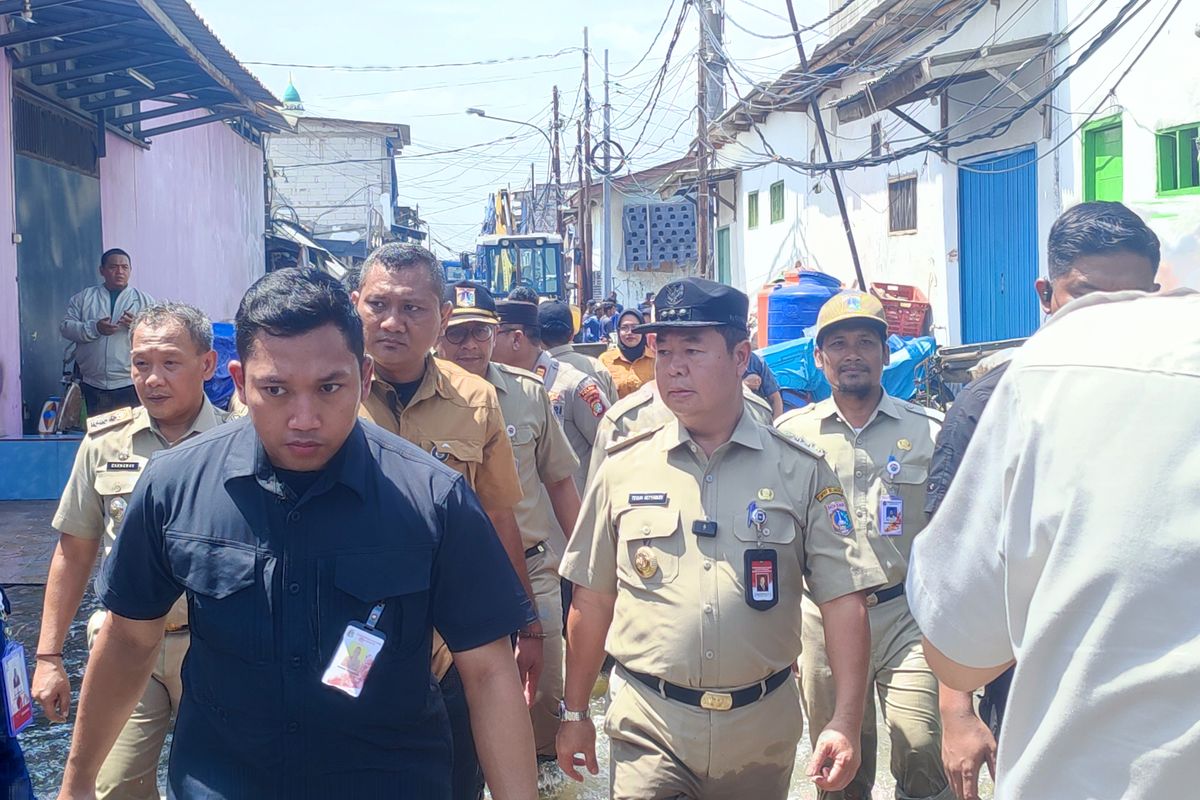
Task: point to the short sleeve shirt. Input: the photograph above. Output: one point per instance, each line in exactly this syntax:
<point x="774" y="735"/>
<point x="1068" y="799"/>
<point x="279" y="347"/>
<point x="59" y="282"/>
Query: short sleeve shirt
<point x="588" y="366"/>
<point x="579" y="404"/>
<point x="687" y="620"/>
<point x="455" y="417"/>
<point x="273" y="580"/>
<point x="898" y="432"/>
<point x="769" y="385"/>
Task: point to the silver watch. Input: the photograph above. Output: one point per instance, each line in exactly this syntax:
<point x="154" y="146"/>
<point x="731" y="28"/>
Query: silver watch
<point x="567" y="715"/>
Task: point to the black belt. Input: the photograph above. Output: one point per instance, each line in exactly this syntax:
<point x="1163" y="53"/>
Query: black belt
<point x="883" y="595"/>
<point x="540" y="547"/>
<point x="712" y="701"/>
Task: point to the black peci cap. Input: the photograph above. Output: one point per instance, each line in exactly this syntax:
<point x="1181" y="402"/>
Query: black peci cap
<point x="516" y="312"/>
<point x="697" y="303"/>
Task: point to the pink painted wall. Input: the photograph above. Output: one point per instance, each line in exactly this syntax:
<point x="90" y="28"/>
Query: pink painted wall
<point x="190" y="213"/>
<point x="10" y="339"/>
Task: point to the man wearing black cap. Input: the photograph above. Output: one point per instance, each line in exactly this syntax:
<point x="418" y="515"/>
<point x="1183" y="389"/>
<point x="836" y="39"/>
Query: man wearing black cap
<point x="577" y="399"/>
<point x="695" y="542"/>
<point x="546" y="466"/>
<point x="558" y="327"/>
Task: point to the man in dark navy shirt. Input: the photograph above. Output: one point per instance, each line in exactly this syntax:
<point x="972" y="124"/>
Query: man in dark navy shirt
<point x="317" y="552"/>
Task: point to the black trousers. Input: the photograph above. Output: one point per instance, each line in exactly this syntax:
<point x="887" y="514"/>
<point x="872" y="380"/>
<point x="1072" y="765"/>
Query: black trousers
<point x="100" y="401"/>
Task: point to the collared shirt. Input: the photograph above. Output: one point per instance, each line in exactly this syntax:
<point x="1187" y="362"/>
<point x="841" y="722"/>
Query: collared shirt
<point x="897" y="431"/>
<point x="104" y="361"/>
<point x="108" y="464"/>
<point x="273" y="580"/>
<point x="456" y="417"/>
<point x="579" y="404"/>
<point x="683" y="616"/>
<point x="628" y="376"/>
<point x="589" y="366"/>
<point x="1068" y="542"/>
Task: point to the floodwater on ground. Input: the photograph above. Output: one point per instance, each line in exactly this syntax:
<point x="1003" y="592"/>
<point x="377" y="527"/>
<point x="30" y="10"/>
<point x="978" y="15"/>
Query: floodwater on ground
<point x="46" y="745"/>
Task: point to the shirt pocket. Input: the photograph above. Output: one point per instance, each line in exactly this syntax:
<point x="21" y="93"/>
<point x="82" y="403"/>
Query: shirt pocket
<point x="352" y="584"/>
<point x="463" y="455"/>
<point x="228" y="607"/>
<point x="114" y="489"/>
<point x="648" y="535"/>
<point x="910" y="484"/>
<point x="778" y="527"/>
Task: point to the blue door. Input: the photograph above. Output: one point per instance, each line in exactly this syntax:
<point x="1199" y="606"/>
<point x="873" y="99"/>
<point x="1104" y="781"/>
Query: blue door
<point x="998" y="246"/>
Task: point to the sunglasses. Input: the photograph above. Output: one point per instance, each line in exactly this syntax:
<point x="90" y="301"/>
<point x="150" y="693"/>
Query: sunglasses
<point x="458" y="334"/>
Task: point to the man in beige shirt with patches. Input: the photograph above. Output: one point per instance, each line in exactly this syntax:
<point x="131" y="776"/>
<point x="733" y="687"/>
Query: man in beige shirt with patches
<point x="880" y="448"/>
<point x="171" y="357"/>
<point x="696" y="541"/>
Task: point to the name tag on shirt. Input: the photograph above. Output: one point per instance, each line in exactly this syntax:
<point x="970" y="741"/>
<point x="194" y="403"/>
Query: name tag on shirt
<point x="648" y="499"/>
<point x="352" y="660"/>
<point x="891" y="515"/>
<point x="122" y="466"/>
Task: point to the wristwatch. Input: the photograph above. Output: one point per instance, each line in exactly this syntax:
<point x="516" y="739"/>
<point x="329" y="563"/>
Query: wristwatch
<point x="567" y="715"/>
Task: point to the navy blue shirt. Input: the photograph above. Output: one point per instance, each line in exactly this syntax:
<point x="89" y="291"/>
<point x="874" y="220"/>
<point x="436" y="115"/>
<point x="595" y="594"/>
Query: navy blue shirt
<point x="769" y="385"/>
<point x="272" y="580"/>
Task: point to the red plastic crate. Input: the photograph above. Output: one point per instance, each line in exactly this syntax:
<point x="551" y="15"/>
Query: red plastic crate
<point x="904" y="306"/>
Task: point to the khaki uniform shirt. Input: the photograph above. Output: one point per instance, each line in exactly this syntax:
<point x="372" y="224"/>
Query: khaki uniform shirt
<point x="579" y="403"/>
<point x="109" y="462"/>
<point x="897" y="430"/>
<point x="681" y="612"/>
<point x="589" y="366"/>
<point x="455" y="417"/>
<point x="628" y="376"/>
<point x="643" y="410"/>
<point x="543" y="454"/>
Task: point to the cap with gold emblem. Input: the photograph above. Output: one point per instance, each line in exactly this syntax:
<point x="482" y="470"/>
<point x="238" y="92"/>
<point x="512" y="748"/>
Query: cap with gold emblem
<point x="851" y="306"/>
<point x="472" y="303"/>
<point x="697" y="303"/>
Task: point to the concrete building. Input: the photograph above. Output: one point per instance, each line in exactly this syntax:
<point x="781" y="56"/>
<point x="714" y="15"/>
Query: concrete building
<point x="124" y="126"/>
<point x="337" y="178"/>
<point x="1043" y="104"/>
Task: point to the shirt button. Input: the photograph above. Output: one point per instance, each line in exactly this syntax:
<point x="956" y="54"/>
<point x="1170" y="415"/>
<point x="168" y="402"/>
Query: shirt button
<point x="708" y="478"/>
<point x="296" y="661"/>
<point x="294" y="588"/>
<point x="858" y="474"/>
<point x="708" y="608"/>
<point x="645" y="529"/>
<point x="292" y="727"/>
<point x="293" y="516"/>
<point x="708" y="565"/>
<point x="708" y="654"/>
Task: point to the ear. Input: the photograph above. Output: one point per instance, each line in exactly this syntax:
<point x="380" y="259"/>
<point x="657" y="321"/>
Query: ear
<point x="819" y="358"/>
<point x="446" y="309"/>
<point x="741" y="356"/>
<point x="354" y="295"/>
<point x="239" y="379"/>
<point x="1045" y="293"/>
<point x="368" y="372"/>
<point x="887" y="353"/>
<point x="210" y="363"/>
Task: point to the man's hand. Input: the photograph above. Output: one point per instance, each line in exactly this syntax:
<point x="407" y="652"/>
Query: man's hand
<point x="126" y="320"/>
<point x="530" y="659"/>
<point x="835" y="758"/>
<point x="752" y="381"/>
<point x="966" y="745"/>
<point x="52" y="689"/>
<point x="107" y="327"/>
<point x="576" y="746"/>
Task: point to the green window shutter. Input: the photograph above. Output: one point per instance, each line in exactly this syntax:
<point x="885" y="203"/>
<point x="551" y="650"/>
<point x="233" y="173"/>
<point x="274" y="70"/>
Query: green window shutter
<point x="1103" y="162"/>
<point x="723" y="255"/>
<point x="752" y="210"/>
<point x="777" y="202"/>
<point x="1178" y="160"/>
<point x="1168" y="170"/>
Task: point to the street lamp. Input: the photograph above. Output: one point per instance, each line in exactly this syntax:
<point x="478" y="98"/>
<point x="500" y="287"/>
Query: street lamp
<point x="479" y="112"/>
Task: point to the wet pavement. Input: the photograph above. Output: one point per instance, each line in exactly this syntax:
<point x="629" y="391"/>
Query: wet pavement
<point x="26" y="542"/>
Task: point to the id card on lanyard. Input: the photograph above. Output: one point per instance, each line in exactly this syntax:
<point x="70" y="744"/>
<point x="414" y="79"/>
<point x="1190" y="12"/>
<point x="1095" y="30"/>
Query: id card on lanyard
<point x="355" y="655"/>
<point x="18" y="700"/>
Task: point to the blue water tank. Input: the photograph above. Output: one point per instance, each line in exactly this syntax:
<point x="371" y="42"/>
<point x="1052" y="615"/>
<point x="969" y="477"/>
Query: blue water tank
<point x="793" y="308"/>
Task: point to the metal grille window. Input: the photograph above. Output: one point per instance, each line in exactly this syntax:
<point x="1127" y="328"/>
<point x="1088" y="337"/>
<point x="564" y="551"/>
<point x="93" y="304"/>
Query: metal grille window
<point x="752" y="210"/>
<point x="776" y="202"/>
<point x="902" y="205"/>
<point x="50" y="135"/>
<point x="1179" y="160"/>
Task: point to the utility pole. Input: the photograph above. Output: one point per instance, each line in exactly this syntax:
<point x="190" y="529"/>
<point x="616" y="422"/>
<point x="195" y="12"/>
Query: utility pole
<point x="815" y="108"/>
<point x="531" y="225"/>
<point x="710" y="102"/>
<point x="585" y="274"/>
<point x="585" y="220"/>
<point x="606" y="248"/>
<point x="556" y="167"/>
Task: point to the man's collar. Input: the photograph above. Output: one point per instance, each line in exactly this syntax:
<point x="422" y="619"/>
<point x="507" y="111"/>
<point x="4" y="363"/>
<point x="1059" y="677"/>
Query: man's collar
<point x="887" y="405"/>
<point x="495" y="377"/>
<point x="745" y="433"/>
<point x="432" y="382"/>
<point x="248" y="458"/>
<point x="562" y="348"/>
<point x="206" y="419"/>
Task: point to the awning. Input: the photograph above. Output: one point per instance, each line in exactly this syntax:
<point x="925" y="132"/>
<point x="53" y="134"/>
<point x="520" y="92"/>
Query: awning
<point x="936" y="73"/>
<point x="307" y="246"/>
<point x="105" y="58"/>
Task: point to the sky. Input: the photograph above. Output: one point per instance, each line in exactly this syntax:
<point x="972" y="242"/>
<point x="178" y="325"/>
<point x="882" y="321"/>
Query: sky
<point x="451" y="189"/>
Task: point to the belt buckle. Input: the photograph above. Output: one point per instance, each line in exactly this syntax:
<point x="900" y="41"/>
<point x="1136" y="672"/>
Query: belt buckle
<point x="716" y="701"/>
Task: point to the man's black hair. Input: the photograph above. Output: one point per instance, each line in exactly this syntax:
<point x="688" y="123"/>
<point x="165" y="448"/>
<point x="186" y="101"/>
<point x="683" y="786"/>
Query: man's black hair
<point x="116" y="251"/>
<point x="1099" y="228"/>
<point x="397" y="256"/>
<point x="292" y="302"/>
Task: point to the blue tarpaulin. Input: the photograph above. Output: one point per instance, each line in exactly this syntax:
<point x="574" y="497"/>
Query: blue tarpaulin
<point x="794" y="367"/>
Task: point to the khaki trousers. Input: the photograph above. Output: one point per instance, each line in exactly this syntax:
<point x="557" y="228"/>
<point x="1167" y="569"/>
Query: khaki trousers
<point x="908" y="695"/>
<point x="543" y="574"/>
<point x="663" y="750"/>
<point x="130" y="772"/>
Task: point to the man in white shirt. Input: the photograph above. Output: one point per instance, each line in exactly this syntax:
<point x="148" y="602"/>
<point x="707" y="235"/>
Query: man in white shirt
<point x="1068" y="543"/>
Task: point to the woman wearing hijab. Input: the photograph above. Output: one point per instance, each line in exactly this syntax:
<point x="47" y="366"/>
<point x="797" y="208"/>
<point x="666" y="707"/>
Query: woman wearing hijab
<point x="631" y="364"/>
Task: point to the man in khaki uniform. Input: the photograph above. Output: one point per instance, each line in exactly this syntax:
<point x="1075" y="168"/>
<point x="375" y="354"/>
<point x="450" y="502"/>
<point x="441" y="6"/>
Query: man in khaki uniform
<point x="880" y="448"/>
<point x="545" y="463"/>
<point x="171" y="358"/>
<point x="456" y="417"/>
<point x="696" y="540"/>
<point x="558" y="328"/>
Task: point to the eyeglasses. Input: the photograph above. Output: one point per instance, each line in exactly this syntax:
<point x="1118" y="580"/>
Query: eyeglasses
<point x="458" y="334"/>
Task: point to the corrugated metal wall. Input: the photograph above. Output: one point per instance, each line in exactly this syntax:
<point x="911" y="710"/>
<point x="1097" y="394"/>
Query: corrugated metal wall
<point x="998" y="246"/>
